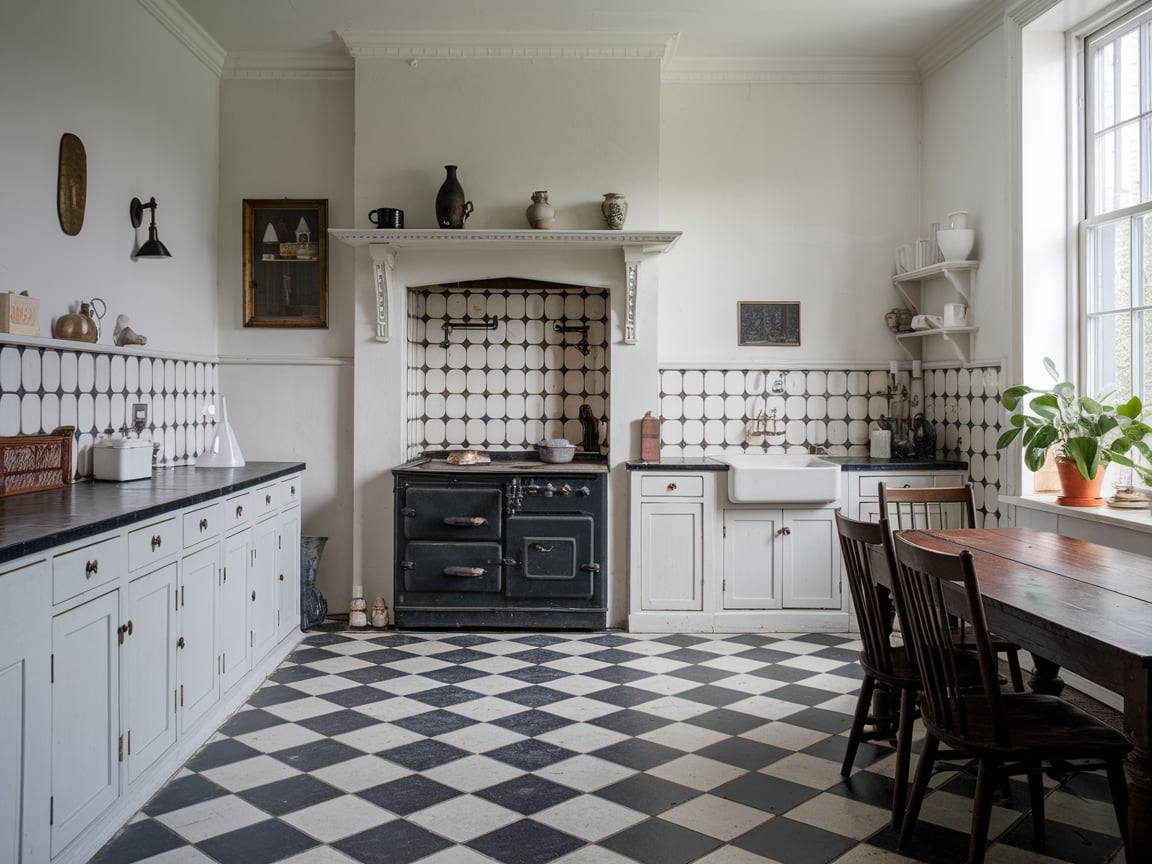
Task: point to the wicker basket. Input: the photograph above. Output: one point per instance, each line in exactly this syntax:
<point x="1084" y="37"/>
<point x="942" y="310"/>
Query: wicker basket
<point x="30" y="463"/>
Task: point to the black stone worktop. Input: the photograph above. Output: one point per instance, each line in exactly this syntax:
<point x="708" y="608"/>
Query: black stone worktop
<point x="35" y="521"/>
<point x="846" y="463"/>
<point x="678" y="463"/>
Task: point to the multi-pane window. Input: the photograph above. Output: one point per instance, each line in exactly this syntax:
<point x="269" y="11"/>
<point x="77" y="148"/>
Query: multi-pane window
<point x="1117" y="293"/>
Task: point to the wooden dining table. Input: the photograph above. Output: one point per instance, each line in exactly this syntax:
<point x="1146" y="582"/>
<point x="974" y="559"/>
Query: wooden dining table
<point x="1080" y="606"/>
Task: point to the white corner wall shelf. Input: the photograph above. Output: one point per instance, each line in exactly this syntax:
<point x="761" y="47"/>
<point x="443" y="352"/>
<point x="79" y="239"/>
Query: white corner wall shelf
<point x="385" y="244"/>
<point x="961" y="277"/>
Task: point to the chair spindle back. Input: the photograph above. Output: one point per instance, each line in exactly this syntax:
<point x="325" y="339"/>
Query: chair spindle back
<point x="934" y="508"/>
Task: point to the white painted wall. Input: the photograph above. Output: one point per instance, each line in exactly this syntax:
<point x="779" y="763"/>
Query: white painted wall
<point x="785" y="192"/>
<point x="147" y="112"/>
<point x="290" y="390"/>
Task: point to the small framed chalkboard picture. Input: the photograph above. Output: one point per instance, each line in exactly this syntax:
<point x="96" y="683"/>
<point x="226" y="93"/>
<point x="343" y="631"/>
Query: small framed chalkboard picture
<point x="768" y="323"/>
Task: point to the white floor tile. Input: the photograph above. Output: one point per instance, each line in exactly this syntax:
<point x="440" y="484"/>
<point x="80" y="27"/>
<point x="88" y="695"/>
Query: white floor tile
<point x="697" y="772"/>
<point x="363" y="772"/>
<point x="673" y="708"/>
<point x="302" y="709"/>
<point x="280" y="737"/>
<point x="486" y="708"/>
<point x="580" y="708"/>
<point x="586" y="773"/>
<point x="381" y="736"/>
<point x="471" y="773"/>
<point x="589" y="818"/>
<point x="338" y="818"/>
<point x="582" y="737"/>
<point x="250" y="773"/>
<point x="716" y="817"/>
<point x="464" y="818"/>
<point x="480" y="738"/>
<point x="842" y="815"/>
<point x="683" y="736"/>
<point x="212" y="818"/>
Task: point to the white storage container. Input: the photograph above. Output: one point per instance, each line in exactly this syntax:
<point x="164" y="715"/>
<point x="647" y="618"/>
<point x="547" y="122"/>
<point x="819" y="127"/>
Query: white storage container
<point x="122" y="459"/>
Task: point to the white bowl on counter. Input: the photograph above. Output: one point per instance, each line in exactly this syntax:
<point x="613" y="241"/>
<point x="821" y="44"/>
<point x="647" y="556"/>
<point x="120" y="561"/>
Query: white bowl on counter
<point x="556" y="450"/>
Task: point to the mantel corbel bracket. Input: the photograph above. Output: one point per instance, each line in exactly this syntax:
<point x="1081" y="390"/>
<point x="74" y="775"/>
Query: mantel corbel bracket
<point x="632" y="260"/>
<point x="383" y="277"/>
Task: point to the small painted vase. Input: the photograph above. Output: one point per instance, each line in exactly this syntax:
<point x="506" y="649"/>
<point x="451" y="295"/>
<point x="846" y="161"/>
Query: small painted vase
<point x="615" y="210"/>
<point x="540" y="213"/>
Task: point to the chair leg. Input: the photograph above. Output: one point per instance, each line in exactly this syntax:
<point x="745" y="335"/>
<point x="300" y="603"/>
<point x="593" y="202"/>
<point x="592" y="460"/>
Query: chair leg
<point x="981" y="811"/>
<point x="863" y="703"/>
<point x="1036" y="795"/>
<point x="919" y="787"/>
<point x="1119" y="789"/>
<point x="1014" y="673"/>
<point x="903" y="755"/>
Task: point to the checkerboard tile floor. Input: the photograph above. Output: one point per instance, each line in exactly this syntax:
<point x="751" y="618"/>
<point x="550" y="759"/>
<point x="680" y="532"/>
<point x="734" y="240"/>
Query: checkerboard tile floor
<point x="601" y="748"/>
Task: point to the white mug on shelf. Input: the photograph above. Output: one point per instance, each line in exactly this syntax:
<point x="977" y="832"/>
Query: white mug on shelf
<point x="958" y="219"/>
<point x="955" y="315"/>
<point x="905" y="258"/>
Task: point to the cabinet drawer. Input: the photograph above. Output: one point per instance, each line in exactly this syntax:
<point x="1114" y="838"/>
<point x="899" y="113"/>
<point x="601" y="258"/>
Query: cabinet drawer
<point x="76" y="571"/>
<point x="672" y="486"/>
<point x="201" y="524"/>
<point x="290" y="491"/>
<point x="152" y="543"/>
<point x="870" y="483"/>
<point x="265" y="500"/>
<point x="237" y="510"/>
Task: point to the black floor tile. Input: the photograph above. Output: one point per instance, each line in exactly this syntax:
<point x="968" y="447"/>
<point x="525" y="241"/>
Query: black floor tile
<point x="727" y="721"/>
<point x="802" y="695"/>
<point x="261" y="843"/>
<point x="530" y="754"/>
<point x="338" y="722"/>
<point x="637" y="753"/>
<point x="463" y="655"/>
<point x="384" y="656"/>
<point x="770" y="655"/>
<point x="824" y="638"/>
<point x="930" y="844"/>
<point x="525" y="842"/>
<point x="764" y="792"/>
<point x="820" y="719"/>
<point x="648" y="794"/>
<point x="538" y="656"/>
<point x="390" y="639"/>
<point x="717" y="697"/>
<point x="218" y="753"/>
<point x="833" y="748"/>
<point x="292" y="793"/>
<point x="540" y="640"/>
<point x="613" y="655"/>
<point x="249" y="721"/>
<point x="137" y="841"/>
<point x="467" y="640"/>
<point x="682" y="639"/>
<point x="183" y="792"/>
<point x="316" y="754"/>
<point x="288" y="674"/>
<point x="655" y="841"/>
<point x="750" y="755"/>
<point x="441" y="697"/>
<point x="790" y="842"/>
<point x="535" y="696"/>
<point x="372" y="675"/>
<point x="1075" y="844"/>
<point x="690" y="655"/>
<point x="397" y="842"/>
<point x="422" y="755"/>
<point x="312" y="655"/>
<point x="630" y="722"/>
<point x="276" y="694"/>
<point x="536" y="674"/>
<point x="624" y="696"/>
<point x="618" y="674"/>
<point x="780" y="673"/>
<point x="532" y="722"/>
<point x="611" y="640"/>
<point x="353" y="697"/>
<point x="408" y="794"/>
<point x="528" y="794"/>
<point x="454" y="674"/>
<point x="700" y="674"/>
<point x="433" y="723"/>
<point x="319" y="640"/>
<point x="844" y="655"/>
<point x="868" y="787"/>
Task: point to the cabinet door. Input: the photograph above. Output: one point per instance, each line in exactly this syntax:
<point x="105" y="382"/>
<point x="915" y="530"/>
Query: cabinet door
<point x="24" y="708"/>
<point x="148" y="668"/>
<point x="235" y="641"/>
<point x="85" y="716"/>
<point x="811" y="559"/>
<point x="196" y="667"/>
<point x="288" y="573"/>
<point x="672" y="555"/>
<point x="262" y="588"/>
<point x="752" y="559"/>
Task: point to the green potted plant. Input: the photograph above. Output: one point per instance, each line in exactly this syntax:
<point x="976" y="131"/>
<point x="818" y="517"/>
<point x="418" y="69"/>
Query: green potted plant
<point x="1085" y="434"/>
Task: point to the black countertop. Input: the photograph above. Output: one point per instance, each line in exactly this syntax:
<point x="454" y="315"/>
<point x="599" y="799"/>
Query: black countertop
<point x="846" y="463"/>
<point x="35" y="521"/>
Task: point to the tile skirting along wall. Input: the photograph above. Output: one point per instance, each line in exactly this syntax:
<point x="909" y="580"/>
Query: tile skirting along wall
<point x="708" y="411"/>
<point x="94" y="390"/>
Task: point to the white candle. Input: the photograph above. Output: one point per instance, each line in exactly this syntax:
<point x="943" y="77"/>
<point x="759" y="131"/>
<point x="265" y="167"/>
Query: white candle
<point x="916" y="369"/>
<point x="881" y="444"/>
<point x="894" y="367"/>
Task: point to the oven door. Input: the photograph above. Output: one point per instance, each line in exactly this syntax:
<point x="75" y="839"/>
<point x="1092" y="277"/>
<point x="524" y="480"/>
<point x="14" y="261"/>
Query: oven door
<point x="452" y="513"/>
<point x="554" y="557"/>
<point x="447" y="574"/>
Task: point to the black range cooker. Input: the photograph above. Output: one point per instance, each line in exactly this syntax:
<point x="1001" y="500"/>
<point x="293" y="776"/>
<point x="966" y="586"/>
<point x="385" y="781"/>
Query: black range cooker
<point x="515" y="543"/>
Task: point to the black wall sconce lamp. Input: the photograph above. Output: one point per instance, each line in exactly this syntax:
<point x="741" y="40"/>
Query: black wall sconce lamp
<point x="152" y="247"/>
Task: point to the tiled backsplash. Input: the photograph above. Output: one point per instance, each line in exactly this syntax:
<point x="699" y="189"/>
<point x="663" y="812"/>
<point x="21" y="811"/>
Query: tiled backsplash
<point x="706" y="411"/>
<point x="42" y="388"/>
<point x="507" y="387"/>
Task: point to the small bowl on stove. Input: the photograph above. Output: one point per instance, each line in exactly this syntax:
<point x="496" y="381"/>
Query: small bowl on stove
<point x="556" y="450"/>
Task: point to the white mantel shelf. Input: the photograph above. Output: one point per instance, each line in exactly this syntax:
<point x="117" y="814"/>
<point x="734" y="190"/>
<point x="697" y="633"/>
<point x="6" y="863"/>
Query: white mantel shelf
<point x="383" y="244"/>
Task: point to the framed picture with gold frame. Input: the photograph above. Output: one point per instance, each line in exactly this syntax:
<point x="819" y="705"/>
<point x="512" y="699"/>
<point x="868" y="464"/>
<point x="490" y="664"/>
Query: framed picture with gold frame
<point x="286" y="262"/>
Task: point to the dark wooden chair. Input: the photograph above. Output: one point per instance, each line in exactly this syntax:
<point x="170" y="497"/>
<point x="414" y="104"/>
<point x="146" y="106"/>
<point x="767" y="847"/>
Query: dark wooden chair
<point x="942" y="508"/>
<point x="1006" y="733"/>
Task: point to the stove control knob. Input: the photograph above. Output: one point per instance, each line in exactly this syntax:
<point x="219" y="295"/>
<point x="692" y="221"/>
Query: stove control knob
<point x="549" y="490"/>
<point x="583" y="490"/>
<point x="565" y="489"/>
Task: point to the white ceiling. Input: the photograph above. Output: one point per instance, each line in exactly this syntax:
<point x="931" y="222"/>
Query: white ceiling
<point x="706" y="28"/>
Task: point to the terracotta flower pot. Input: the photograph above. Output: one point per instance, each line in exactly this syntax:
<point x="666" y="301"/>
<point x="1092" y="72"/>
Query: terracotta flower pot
<point x="1078" y="492"/>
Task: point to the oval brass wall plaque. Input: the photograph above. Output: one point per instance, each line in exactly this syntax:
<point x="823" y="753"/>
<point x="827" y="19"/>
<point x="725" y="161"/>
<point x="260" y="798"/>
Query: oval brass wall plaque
<point x="72" y="184"/>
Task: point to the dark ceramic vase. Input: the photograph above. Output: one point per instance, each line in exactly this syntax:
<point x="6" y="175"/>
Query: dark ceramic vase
<point x="451" y="208"/>
<point x="313" y="606"/>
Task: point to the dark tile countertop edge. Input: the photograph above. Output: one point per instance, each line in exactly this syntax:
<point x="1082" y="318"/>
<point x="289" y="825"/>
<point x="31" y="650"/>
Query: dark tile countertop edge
<point x="846" y="463"/>
<point x="35" y="521"/>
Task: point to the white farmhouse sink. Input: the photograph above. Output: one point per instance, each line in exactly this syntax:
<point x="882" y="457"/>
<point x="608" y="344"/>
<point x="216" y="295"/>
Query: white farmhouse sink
<point x="780" y="478"/>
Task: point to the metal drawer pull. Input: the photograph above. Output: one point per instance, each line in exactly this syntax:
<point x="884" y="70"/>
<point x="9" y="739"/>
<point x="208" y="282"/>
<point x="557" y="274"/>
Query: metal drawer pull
<point x="155" y="542"/>
<point x="203" y="524"/>
<point x="292" y="489"/>
<point x="239" y="510"/>
<point x="91" y="567"/>
<point x="253" y="596"/>
<point x="180" y="642"/>
<point x="267" y="499"/>
<point x="466" y="521"/>
<point x="536" y="547"/>
<point x="591" y="568"/>
<point x="671" y="487"/>
<point x="470" y="572"/>
<point x="786" y="531"/>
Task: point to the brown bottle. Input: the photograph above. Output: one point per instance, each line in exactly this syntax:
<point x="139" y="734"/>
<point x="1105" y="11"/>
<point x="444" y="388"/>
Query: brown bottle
<point x="77" y="326"/>
<point x="649" y="438"/>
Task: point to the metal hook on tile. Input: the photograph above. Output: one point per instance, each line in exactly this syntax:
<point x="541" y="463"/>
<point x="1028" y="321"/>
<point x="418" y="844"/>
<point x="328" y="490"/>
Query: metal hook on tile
<point x="488" y="322"/>
<point x="582" y="346"/>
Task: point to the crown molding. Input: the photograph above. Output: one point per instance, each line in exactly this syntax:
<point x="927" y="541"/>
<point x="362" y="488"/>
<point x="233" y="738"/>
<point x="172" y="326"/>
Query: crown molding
<point x="790" y="70"/>
<point x="528" y="45"/>
<point x="958" y="38"/>
<point x="194" y="37"/>
<point x="263" y="65"/>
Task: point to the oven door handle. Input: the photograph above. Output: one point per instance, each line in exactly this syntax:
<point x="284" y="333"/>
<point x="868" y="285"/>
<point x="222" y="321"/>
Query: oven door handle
<point x="466" y="521"/>
<point x="467" y="572"/>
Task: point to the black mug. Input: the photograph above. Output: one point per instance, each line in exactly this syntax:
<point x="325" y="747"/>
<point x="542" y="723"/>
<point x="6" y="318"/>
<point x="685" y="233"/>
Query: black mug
<point x="386" y="217"/>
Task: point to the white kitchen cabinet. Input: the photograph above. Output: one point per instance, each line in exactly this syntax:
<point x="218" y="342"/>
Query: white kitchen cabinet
<point x="671" y="548"/>
<point x="235" y="638"/>
<point x="862" y="488"/>
<point x="147" y="638"/>
<point x="25" y="700"/>
<point x="288" y="572"/>
<point x="85" y="721"/>
<point x="780" y="559"/>
<point x="196" y="664"/>
<point x="262" y="592"/>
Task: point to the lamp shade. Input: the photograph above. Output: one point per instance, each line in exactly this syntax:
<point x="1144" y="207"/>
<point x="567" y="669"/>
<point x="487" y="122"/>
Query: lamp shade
<point x="152" y="247"/>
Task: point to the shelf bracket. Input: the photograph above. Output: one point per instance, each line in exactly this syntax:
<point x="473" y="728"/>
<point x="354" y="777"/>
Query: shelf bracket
<point x="383" y="275"/>
<point x="960" y="284"/>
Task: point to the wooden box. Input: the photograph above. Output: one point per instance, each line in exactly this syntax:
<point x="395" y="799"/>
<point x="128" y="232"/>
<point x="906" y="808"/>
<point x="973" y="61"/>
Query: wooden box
<point x="19" y="314"/>
<point x="30" y="463"/>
